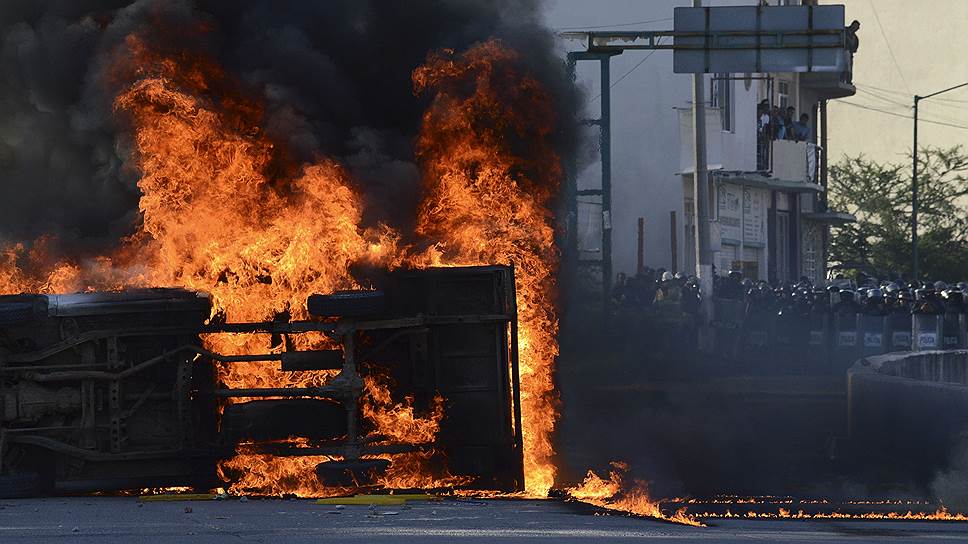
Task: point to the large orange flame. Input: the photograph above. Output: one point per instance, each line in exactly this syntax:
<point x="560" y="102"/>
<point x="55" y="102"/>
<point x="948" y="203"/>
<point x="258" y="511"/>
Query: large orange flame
<point x="224" y="211"/>
<point x="491" y="172"/>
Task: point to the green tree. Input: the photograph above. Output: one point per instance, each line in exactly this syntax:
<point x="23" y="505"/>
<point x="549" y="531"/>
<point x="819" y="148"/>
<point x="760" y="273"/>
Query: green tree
<point x="879" y="196"/>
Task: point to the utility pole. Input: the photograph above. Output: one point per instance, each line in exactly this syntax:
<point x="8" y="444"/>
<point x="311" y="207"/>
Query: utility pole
<point x="605" y="145"/>
<point x="704" y="264"/>
<point x="914" y="197"/>
<point x="914" y="181"/>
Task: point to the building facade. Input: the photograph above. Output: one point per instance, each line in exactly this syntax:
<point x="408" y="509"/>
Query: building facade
<point x="767" y="203"/>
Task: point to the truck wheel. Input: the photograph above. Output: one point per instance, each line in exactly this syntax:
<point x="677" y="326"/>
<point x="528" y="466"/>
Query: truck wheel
<point x="352" y="473"/>
<point x="19" y="486"/>
<point x="347" y="303"/>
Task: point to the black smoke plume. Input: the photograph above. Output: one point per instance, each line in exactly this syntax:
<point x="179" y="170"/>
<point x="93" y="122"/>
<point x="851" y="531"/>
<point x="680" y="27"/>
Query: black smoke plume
<point x="334" y="79"/>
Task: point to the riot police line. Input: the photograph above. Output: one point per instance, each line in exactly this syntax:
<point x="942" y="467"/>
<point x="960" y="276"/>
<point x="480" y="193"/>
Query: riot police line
<point x="828" y="328"/>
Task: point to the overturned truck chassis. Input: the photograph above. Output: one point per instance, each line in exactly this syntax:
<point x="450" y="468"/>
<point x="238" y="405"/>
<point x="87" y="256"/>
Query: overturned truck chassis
<point x="110" y="391"/>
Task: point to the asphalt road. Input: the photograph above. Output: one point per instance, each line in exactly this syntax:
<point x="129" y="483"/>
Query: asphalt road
<point x="125" y="520"/>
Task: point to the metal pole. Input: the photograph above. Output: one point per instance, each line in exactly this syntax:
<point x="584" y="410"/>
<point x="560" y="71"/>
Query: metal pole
<point x="673" y="241"/>
<point x="640" y="261"/>
<point x="914" y="180"/>
<point x="569" y="254"/>
<point x="704" y="268"/>
<point x="606" y="153"/>
<point x="825" y="231"/>
<point x="914" y="196"/>
<point x="571" y="197"/>
<point x="823" y="155"/>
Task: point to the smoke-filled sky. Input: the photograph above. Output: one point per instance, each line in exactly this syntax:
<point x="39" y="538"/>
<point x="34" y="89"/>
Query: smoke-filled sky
<point x="334" y="79"/>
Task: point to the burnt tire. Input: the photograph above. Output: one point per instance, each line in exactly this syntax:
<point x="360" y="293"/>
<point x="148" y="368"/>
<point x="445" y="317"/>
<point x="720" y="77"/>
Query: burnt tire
<point x="352" y="473"/>
<point x="19" y="486"/>
<point x="347" y="304"/>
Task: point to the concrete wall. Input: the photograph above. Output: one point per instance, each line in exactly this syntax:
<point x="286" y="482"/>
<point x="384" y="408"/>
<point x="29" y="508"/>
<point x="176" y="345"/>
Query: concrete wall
<point x="909" y="410"/>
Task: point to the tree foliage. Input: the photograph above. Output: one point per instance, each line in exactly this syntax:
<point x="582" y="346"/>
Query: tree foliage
<point x="879" y="196"/>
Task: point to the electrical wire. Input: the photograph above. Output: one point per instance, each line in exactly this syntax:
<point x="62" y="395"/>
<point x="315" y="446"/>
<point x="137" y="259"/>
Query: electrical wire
<point x="881" y="97"/>
<point x="930" y="105"/>
<point x="885" y="112"/>
<point x="921" y="118"/>
<point x="889" y="48"/>
<point x="626" y="74"/>
<point x="906" y="95"/>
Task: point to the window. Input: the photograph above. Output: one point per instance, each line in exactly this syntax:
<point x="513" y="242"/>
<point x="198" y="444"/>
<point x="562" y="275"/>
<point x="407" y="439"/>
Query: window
<point x="783" y="94"/>
<point x="721" y="97"/>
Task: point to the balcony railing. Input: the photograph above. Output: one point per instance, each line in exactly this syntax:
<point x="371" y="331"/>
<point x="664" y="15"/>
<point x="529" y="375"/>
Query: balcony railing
<point x="795" y="161"/>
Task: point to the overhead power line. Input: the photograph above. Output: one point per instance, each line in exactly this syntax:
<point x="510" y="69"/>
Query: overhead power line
<point x="932" y="106"/>
<point x="883" y="98"/>
<point x="626" y="74"/>
<point x="904" y="94"/>
<point x="892" y="103"/>
<point x="885" y="112"/>
<point x="889" y="48"/>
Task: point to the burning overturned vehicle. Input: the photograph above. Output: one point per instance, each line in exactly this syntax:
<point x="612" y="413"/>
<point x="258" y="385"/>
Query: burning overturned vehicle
<point x="255" y="202"/>
<point x="109" y="391"/>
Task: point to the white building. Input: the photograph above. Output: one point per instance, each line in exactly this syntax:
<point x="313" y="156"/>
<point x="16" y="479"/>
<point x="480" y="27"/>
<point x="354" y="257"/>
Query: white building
<point x="767" y="210"/>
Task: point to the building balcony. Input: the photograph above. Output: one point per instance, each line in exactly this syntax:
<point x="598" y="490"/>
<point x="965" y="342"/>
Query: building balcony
<point x="794" y="161"/>
<point x="831" y="85"/>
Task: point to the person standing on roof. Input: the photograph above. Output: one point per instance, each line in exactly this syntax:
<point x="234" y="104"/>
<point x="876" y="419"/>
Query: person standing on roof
<point x="851" y="43"/>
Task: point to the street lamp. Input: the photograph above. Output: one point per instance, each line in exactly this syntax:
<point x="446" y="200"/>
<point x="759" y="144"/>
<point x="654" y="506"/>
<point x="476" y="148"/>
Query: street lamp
<point x="914" y="182"/>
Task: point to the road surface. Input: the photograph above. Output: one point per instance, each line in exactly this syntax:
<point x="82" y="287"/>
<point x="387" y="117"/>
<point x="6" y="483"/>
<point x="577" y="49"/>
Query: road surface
<point x="126" y="520"/>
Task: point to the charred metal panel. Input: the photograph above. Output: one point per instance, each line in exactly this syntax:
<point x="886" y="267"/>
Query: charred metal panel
<point x="470" y="363"/>
<point x="266" y="420"/>
<point x="102" y="391"/>
<point x="98" y="391"/>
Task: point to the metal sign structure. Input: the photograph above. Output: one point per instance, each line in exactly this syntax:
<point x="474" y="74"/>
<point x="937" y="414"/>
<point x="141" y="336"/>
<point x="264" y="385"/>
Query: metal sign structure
<point x="759" y="39"/>
<point x="604" y="124"/>
<point x="733" y="39"/>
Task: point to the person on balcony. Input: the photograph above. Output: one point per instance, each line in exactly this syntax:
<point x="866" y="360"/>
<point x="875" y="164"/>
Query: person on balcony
<point x="802" y="132"/>
<point x="778" y="125"/>
<point x="763" y="136"/>
<point x="789" y="123"/>
<point x="763" y="116"/>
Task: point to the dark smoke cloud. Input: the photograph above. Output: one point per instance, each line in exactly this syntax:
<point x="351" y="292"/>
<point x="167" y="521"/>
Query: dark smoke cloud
<point x="334" y="78"/>
<point x="59" y="171"/>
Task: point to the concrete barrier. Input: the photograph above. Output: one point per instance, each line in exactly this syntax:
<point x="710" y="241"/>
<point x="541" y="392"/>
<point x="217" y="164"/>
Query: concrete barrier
<point x="908" y="409"/>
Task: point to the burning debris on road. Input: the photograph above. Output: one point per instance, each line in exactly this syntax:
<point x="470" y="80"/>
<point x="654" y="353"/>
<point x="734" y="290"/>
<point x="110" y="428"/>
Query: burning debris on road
<point x="615" y="494"/>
